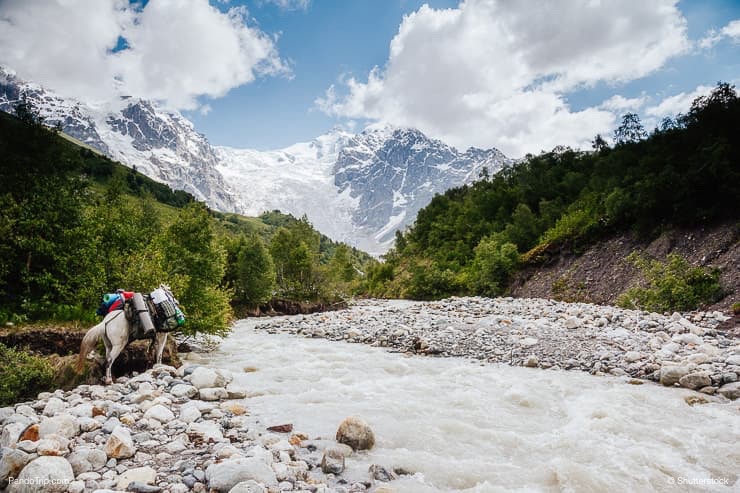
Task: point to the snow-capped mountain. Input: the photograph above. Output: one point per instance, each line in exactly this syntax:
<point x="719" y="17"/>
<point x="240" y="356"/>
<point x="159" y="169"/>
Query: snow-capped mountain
<point x="163" y="145"/>
<point x="356" y="188"/>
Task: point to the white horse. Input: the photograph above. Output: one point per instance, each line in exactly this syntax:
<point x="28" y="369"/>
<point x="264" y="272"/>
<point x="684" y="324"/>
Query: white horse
<point x="116" y="332"/>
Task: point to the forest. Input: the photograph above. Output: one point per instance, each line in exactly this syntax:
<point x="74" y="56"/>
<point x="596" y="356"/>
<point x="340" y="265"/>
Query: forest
<point x="76" y="224"/>
<point x="471" y="240"/>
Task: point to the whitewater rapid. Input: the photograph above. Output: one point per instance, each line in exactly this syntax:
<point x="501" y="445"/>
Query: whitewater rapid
<point x="468" y="427"/>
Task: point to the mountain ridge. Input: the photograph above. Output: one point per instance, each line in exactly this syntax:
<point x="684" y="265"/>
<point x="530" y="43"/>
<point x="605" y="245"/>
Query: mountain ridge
<point x="357" y="188"/>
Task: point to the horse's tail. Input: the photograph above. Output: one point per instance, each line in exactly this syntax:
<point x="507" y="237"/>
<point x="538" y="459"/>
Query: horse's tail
<point x="88" y="343"/>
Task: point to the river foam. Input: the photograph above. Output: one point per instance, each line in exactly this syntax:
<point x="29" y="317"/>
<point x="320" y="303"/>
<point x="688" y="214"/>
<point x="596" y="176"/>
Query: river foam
<point x="462" y="426"/>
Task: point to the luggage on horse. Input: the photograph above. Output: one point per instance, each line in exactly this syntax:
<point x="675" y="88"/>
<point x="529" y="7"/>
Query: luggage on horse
<point x="167" y="310"/>
<point x="114" y="301"/>
<point x="142" y="312"/>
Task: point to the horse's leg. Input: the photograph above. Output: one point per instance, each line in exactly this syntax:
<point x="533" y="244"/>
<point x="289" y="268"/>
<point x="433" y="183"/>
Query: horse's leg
<point x="161" y="340"/>
<point x="110" y="359"/>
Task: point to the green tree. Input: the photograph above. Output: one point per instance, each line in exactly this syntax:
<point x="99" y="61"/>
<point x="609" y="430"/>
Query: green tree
<point x="195" y="263"/>
<point x="631" y="130"/>
<point x="493" y="264"/>
<point x="253" y="271"/>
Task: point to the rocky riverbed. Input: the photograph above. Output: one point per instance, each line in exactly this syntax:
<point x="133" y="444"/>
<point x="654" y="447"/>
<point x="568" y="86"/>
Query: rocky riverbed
<point x="175" y="430"/>
<point x="678" y="350"/>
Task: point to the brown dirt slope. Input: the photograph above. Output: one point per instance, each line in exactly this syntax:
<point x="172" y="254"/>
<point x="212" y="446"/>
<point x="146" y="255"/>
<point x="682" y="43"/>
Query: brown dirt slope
<point x="601" y="273"/>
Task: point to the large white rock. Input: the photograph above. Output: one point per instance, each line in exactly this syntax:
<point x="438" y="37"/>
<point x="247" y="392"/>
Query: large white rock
<point x="160" y="413"/>
<point x="184" y="390"/>
<point x="11" y="434"/>
<point x="54" y="406"/>
<point x="145" y="475"/>
<point x="224" y="476"/>
<point x="120" y="445"/>
<point x="44" y="474"/>
<point x="12" y="463"/>
<point x="189" y="412"/>
<point x="64" y="425"/>
<point x="206" y="431"/>
<point x="203" y="377"/>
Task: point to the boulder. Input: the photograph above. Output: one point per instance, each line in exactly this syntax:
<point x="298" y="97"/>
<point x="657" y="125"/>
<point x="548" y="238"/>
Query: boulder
<point x="235" y="392"/>
<point x="64" y="425"/>
<point x="224" y="476"/>
<point x="572" y="323"/>
<point x="733" y="360"/>
<point x="205" y="431"/>
<point x="355" y="432"/>
<point x="49" y="474"/>
<point x="120" y="445"/>
<point x="11" y="434"/>
<point x="203" y="378"/>
<point x="11" y="464"/>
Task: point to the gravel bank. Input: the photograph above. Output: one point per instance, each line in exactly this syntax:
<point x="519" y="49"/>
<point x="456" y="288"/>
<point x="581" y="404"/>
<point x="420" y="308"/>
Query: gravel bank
<point x="174" y="430"/>
<point x="682" y="349"/>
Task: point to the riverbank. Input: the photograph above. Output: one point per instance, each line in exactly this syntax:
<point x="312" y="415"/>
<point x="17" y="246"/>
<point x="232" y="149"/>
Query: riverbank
<point x="691" y="350"/>
<point x="175" y="430"/>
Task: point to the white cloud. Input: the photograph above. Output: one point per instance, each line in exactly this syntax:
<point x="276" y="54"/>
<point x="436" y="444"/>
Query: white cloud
<point x="619" y="103"/>
<point x="289" y="4"/>
<point x="731" y="30"/>
<point x="496" y="73"/>
<point x="678" y="103"/>
<point x="178" y="50"/>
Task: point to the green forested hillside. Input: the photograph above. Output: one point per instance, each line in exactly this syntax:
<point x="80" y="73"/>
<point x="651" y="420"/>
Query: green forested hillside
<point x="76" y="224"/>
<point x="471" y="239"/>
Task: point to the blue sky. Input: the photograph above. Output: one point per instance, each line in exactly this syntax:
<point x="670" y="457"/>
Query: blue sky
<point x="266" y="74"/>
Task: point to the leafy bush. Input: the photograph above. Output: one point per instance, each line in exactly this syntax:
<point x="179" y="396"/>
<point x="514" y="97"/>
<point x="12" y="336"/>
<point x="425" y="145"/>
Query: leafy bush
<point x="672" y="285"/>
<point x="429" y="281"/>
<point x="22" y="376"/>
<point x="574" y="225"/>
<point x="493" y="264"/>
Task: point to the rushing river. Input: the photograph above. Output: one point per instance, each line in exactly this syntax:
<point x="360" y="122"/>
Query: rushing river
<point x="462" y="426"/>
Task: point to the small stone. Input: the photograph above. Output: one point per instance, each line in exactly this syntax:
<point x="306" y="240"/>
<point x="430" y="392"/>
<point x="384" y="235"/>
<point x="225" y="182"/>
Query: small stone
<point x="206" y="431"/>
<point x="670" y="375"/>
<point x="572" y="323"/>
<point x="333" y="460"/>
<point x="286" y="428"/>
<point x="733" y="360"/>
<point x="189" y="412"/>
<point x="184" y="390"/>
<point x="225" y="475"/>
<point x="532" y="361"/>
<point x="632" y="356"/>
<point x="695" y="380"/>
<point x="693" y="400"/>
<point x="730" y="390"/>
<point x="213" y="393"/>
<point x="355" y="432"/>
<point x="76" y="487"/>
<point x="203" y="378"/>
<point x="250" y="486"/>
<point x="119" y="444"/>
<point x="380" y="473"/>
<point x="145" y="475"/>
<point x="160" y="413"/>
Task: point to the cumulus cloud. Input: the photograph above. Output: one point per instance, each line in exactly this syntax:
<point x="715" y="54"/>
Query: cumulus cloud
<point x="496" y="72"/>
<point x="677" y="103"/>
<point x="731" y="30"/>
<point x="619" y="103"/>
<point x="175" y="50"/>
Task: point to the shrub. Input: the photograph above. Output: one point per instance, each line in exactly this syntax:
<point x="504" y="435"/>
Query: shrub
<point x="672" y="285"/>
<point x="22" y="375"/>
<point x="493" y="264"/>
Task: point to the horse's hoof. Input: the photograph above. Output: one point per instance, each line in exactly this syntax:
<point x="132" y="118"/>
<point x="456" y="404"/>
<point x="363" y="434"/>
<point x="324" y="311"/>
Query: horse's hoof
<point x="108" y="381"/>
